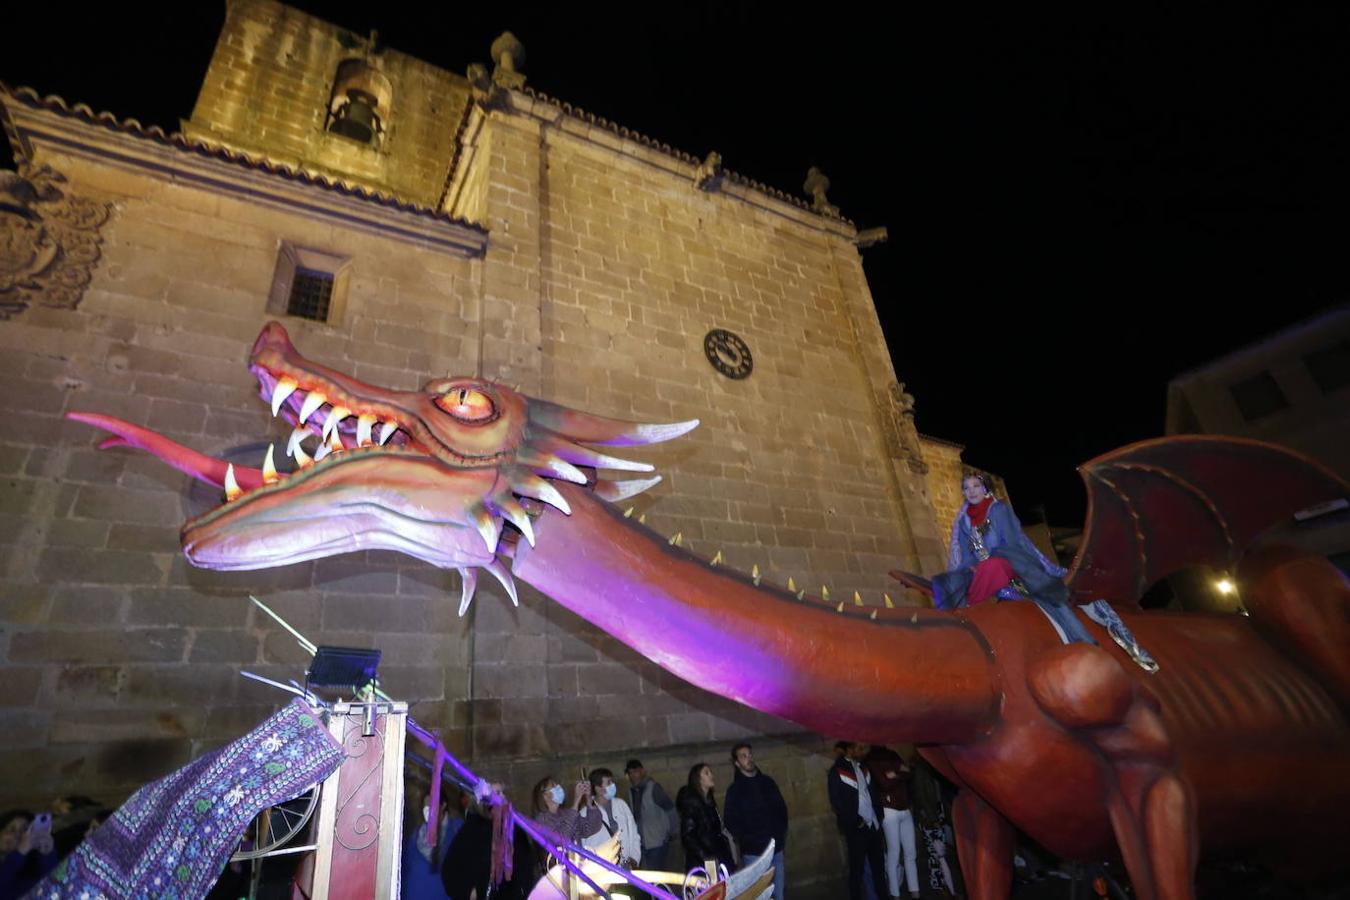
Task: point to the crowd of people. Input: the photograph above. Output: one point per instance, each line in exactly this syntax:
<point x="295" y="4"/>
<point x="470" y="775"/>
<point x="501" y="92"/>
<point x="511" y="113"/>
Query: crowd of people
<point x="655" y="833"/>
<point x="868" y="787"/>
<point x="33" y="843"/>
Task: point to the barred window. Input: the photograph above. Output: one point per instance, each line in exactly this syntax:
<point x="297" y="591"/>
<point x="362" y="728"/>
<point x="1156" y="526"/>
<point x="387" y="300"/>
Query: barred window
<point x="310" y="292"/>
<point x="309" y="284"/>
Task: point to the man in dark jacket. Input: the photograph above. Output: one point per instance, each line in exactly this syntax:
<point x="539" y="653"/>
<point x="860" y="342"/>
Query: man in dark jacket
<point x="756" y="814"/>
<point x="858" y="810"/>
<point x="654" y="813"/>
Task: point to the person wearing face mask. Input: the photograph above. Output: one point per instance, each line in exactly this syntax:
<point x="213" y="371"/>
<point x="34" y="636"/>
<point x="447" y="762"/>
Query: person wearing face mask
<point x="609" y="815"/>
<point x="548" y="798"/>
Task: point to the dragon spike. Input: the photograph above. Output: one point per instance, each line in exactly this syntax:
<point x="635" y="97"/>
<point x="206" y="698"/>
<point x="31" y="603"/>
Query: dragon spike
<point x="628" y="513"/>
<point x="593" y="429"/>
<point x="614" y="491"/>
<point x="890" y="604"/>
<point x="585" y="456"/>
<point x="754" y="574"/>
<point x="527" y="484"/>
<point x="516" y="515"/>
<point x="676" y="538"/>
<point x="547" y="464"/>
<point x="873" y="616"/>
<point x="468" y="581"/>
<point x="801" y="595"/>
<point x="642" y="519"/>
<point x="716" y="560"/>
<point x="792" y="585"/>
<point x="500" y="572"/>
<point x="840" y="607"/>
<point x="857" y="599"/>
<point x="488" y="526"/>
<point x="825" y="592"/>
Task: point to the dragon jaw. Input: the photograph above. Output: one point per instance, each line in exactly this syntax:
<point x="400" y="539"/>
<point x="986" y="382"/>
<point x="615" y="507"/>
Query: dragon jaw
<point x="448" y="465"/>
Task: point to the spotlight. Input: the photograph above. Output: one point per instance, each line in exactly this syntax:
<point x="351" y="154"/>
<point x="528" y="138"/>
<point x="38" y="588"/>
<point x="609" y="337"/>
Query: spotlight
<point x="1225" y="586"/>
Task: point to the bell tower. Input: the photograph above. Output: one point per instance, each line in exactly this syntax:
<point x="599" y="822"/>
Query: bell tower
<point x="292" y="90"/>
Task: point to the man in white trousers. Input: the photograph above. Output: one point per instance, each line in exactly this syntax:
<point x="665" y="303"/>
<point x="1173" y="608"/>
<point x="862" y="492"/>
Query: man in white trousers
<point x="891" y="775"/>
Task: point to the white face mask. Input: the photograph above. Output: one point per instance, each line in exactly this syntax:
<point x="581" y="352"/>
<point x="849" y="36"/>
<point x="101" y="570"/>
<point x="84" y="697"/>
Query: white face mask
<point x="557" y="794"/>
<point x="611" y="791"/>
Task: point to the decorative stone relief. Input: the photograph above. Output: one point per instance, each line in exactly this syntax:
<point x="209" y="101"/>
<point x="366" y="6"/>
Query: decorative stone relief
<point x="49" y="240"/>
<point x="902" y="438"/>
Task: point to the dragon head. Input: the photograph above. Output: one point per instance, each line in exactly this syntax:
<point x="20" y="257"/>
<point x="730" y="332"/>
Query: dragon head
<point x="432" y="473"/>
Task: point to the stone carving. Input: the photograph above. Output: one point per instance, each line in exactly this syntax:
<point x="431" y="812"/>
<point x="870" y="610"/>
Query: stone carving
<point x="902" y="437"/>
<point x="508" y="55"/>
<point x="708" y="175"/>
<point x="49" y="240"/>
<point x="816" y="185"/>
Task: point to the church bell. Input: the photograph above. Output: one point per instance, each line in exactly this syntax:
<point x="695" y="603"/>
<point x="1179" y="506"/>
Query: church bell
<point x="356" y="117"/>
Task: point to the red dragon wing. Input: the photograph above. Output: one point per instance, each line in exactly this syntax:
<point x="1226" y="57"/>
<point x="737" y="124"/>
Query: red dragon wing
<point x="1163" y="505"/>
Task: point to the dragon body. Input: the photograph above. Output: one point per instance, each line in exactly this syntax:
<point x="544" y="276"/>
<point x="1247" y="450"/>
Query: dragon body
<point x="1072" y="744"/>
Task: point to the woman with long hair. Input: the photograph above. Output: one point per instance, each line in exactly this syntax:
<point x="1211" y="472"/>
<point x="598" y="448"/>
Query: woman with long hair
<point x="701" y="828"/>
<point x="548" y="797"/>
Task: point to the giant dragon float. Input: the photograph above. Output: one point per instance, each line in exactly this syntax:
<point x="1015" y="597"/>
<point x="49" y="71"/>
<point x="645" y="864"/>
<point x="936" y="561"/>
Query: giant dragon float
<point x="1070" y="743"/>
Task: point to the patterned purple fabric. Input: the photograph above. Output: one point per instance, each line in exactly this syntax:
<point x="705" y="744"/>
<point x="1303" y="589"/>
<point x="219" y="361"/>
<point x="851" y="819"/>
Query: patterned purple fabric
<point x="174" y="836"/>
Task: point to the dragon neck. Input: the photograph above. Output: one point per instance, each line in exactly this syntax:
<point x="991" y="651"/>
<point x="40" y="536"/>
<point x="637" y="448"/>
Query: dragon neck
<point x="908" y="675"/>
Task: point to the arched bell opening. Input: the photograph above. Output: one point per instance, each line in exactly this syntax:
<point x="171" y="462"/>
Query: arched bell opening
<point x="358" y="108"/>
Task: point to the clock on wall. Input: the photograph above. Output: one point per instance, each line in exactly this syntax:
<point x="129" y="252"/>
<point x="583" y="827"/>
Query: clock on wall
<point x="728" y="353"/>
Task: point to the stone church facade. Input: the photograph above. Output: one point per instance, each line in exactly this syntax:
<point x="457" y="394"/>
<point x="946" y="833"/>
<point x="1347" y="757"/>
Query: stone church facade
<point x="428" y="223"/>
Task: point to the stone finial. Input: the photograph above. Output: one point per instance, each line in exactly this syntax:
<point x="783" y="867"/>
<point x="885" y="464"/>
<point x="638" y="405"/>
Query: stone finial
<point x="816" y="185"/>
<point x="508" y="56"/>
<point x="708" y="175"/>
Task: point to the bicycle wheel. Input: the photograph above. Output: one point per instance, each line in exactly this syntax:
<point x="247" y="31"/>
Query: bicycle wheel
<point x="275" y="826"/>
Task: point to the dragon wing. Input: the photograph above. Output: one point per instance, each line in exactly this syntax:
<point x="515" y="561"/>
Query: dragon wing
<point x="1166" y="504"/>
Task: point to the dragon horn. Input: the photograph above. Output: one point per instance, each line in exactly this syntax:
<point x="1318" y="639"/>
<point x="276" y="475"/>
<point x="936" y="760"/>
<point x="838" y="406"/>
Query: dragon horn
<point x="592" y="429"/>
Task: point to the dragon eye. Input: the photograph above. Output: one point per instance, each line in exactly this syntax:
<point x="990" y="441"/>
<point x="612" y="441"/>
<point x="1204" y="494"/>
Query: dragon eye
<point x="467" y="404"/>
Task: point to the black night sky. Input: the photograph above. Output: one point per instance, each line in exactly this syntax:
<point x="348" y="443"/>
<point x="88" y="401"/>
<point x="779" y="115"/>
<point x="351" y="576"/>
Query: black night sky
<point x="1079" y="208"/>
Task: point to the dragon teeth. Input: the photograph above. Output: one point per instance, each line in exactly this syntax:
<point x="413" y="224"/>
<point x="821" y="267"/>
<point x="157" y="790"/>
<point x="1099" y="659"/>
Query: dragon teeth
<point x="269" y="468"/>
<point x="386" y="430"/>
<point x="312" y="402"/>
<point x="324" y="450"/>
<point x="293" y="444"/>
<point x="363" y="426"/>
<point x="335" y="415"/>
<point x="285" y="387"/>
<point x="232" y="488"/>
<point x="301" y="458"/>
